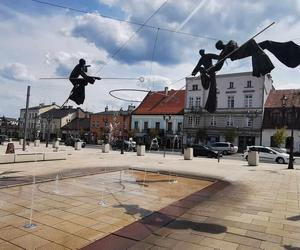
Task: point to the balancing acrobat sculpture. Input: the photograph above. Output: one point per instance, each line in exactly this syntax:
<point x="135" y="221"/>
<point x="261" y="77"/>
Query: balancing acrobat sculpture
<point x="78" y="92"/>
<point x="287" y="52"/>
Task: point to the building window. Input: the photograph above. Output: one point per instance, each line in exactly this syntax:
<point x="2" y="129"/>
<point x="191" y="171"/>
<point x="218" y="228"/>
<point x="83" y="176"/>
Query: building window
<point x="179" y="126"/>
<point x="197" y="120"/>
<point x="170" y="126"/>
<point x="190" y="120"/>
<point x="157" y="125"/>
<point x="231" y="85"/>
<point x="249" y="122"/>
<point x="229" y="122"/>
<point x="136" y="125"/>
<point x="213" y="121"/>
<point x="230" y="101"/>
<point x="191" y="102"/>
<point x="249" y="84"/>
<point x="195" y="87"/>
<point x="276" y="117"/>
<point x="248" y="101"/>
<point x="145" y="125"/>
<point x="198" y="102"/>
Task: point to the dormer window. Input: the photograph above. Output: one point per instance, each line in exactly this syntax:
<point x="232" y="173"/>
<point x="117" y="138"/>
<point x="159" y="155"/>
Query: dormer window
<point x="195" y="87"/>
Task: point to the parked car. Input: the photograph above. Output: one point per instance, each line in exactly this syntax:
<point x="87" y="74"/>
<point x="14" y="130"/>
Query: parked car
<point x="3" y="138"/>
<point x="71" y="142"/>
<point x="201" y="150"/>
<point x="224" y="147"/>
<point x="268" y="154"/>
<point x="129" y="145"/>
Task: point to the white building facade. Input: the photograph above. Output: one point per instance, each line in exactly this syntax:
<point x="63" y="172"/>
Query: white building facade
<point x="169" y="125"/>
<point x="240" y="104"/>
<point x="34" y="119"/>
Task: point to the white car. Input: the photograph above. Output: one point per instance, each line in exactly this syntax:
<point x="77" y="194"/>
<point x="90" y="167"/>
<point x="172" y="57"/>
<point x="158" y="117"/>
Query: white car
<point x="224" y="147"/>
<point x="268" y="154"/>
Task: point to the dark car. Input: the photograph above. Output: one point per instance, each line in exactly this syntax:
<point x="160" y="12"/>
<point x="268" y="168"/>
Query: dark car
<point x="3" y="138"/>
<point x="201" y="150"/>
<point x="71" y="142"/>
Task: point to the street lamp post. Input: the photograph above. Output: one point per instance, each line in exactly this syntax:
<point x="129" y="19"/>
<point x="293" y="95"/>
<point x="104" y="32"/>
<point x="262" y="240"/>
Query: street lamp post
<point x="123" y="129"/>
<point x="284" y="100"/>
<point x="167" y="118"/>
<point x="291" y="158"/>
<point x="252" y="116"/>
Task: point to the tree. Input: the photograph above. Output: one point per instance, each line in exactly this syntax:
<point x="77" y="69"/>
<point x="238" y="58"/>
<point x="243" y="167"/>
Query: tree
<point x="201" y="135"/>
<point x="153" y="133"/>
<point x="279" y="136"/>
<point x="230" y="135"/>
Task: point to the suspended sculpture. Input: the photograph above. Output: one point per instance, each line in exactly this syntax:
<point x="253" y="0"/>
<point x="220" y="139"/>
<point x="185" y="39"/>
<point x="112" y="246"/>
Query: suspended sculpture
<point x="78" y="92"/>
<point x="287" y="52"/>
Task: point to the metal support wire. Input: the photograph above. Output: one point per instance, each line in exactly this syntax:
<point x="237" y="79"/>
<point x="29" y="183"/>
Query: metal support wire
<point x="153" y="51"/>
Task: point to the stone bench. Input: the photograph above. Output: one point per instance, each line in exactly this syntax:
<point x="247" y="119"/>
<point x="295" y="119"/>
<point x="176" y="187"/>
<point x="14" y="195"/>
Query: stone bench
<point x="50" y="156"/>
<point x="26" y="157"/>
<point x="7" y="158"/>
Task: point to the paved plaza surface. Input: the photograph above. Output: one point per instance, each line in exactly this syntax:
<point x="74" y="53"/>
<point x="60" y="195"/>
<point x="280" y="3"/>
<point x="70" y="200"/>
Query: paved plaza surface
<point x="258" y="208"/>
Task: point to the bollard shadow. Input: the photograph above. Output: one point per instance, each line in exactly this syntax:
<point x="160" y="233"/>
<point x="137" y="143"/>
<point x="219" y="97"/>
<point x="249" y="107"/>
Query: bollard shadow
<point x="178" y="224"/>
<point x="9" y="172"/>
<point x="289" y="247"/>
<point x="294" y="218"/>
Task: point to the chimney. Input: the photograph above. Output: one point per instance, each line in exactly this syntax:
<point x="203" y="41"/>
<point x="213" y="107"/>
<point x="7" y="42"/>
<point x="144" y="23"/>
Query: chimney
<point x="42" y="104"/>
<point x="53" y="103"/>
<point x="130" y="107"/>
<point x="166" y="90"/>
<point x="106" y="108"/>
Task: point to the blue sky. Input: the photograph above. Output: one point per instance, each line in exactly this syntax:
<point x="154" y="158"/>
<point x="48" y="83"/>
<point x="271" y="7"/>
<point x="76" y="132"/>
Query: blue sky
<point x="43" y="41"/>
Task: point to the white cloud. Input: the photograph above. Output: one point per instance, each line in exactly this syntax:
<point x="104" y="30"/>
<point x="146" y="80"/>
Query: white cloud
<point x="16" y="71"/>
<point x="51" y="44"/>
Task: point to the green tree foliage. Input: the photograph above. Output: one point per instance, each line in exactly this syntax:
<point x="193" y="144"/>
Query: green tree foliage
<point x="279" y="136"/>
<point x="230" y="135"/>
<point x="201" y="135"/>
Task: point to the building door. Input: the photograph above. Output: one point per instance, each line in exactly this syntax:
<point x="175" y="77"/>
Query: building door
<point x="245" y="141"/>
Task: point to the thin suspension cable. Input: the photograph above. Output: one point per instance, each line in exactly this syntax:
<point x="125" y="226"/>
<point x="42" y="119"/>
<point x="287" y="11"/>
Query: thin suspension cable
<point x="123" y="20"/>
<point x="153" y="52"/>
<point x="132" y="36"/>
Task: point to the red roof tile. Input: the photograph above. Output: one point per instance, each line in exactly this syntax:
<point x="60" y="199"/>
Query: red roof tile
<point x="157" y="103"/>
<point x="274" y="99"/>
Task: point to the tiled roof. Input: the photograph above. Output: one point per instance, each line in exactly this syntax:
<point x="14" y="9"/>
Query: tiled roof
<point x="76" y="124"/>
<point x="58" y="113"/>
<point x="113" y="112"/>
<point x="41" y="106"/>
<point x="157" y="103"/>
<point x="274" y="99"/>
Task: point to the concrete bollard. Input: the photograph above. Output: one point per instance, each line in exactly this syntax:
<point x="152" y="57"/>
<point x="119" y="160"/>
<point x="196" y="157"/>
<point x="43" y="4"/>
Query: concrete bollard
<point x="105" y="148"/>
<point x="78" y="145"/>
<point x="21" y="141"/>
<point x="55" y="144"/>
<point x="37" y="143"/>
<point x="188" y="153"/>
<point x="253" y="158"/>
<point x="140" y="150"/>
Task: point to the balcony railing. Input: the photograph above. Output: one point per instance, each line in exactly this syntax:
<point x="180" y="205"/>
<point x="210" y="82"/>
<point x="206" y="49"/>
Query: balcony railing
<point x="193" y="109"/>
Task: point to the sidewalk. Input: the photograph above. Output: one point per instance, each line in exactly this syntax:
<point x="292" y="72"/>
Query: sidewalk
<point x="260" y="208"/>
